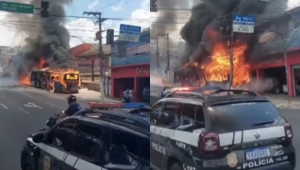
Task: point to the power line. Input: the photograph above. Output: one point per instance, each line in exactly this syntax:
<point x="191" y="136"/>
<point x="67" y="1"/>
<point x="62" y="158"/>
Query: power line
<point x="175" y="9"/>
<point x="111" y="4"/>
<point x="119" y="4"/>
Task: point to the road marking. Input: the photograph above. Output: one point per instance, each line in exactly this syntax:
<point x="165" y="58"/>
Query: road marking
<point x="4" y="106"/>
<point x="20" y="108"/>
<point x="32" y="105"/>
<point x="39" y="100"/>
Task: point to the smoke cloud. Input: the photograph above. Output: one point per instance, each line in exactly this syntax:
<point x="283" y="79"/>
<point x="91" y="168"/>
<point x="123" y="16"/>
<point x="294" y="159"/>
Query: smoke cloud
<point x="204" y="23"/>
<point x="47" y="38"/>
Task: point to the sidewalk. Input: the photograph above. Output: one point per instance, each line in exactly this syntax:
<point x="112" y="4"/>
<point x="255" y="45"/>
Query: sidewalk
<point x="90" y="95"/>
<point x="284" y="101"/>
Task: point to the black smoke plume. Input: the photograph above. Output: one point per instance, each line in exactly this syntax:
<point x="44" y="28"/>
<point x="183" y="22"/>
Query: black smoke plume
<point x="206" y="17"/>
<point x="47" y="38"/>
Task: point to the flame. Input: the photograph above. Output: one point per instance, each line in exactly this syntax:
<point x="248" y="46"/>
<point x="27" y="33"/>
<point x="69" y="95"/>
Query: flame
<point x="57" y="75"/>
<point x="25" y="80"/>
<point x="219" y="67"/>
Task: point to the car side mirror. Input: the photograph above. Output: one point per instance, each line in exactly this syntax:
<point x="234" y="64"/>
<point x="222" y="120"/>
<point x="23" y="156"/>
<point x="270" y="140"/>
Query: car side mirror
<point x="38" y="138"/>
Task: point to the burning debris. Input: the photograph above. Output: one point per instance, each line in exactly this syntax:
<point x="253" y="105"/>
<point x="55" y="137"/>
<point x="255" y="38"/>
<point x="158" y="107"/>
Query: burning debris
<point x="209" y="51"/>
<point x="47" y="46"/>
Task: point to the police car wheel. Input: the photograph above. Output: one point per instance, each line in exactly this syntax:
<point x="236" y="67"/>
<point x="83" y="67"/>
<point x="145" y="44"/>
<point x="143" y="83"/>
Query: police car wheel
<point x="26" y="164"/>
<point x="176" y="166"/>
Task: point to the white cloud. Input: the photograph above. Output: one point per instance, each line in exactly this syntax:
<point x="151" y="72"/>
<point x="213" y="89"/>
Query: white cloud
<point x="81" y="31"/>
<point x="142" y="15"/>
<point x="117" y="8"/>
<point x="93" y="5"/>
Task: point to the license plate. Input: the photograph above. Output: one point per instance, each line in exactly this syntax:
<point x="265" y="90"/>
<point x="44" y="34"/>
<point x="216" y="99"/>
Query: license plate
<point x="257" y="153"/>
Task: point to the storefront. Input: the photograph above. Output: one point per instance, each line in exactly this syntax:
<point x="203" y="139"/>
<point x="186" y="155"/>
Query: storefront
<point x="133" y="77"/>
<point x="276" y="63"/>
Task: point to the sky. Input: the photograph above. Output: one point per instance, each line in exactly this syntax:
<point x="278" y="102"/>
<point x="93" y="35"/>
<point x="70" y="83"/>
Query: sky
<point x="83" y="30"/>
<point x="137" y="12"/>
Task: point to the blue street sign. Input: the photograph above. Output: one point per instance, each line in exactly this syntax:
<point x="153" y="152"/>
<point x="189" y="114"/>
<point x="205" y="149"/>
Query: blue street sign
<point x="243" y="24"/>
<point x="130" y="33"/>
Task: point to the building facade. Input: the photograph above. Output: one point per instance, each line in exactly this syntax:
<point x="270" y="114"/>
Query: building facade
<point x="88" y="62"/>
<point x="130" y="66"/>
<point x="278" y="38"/>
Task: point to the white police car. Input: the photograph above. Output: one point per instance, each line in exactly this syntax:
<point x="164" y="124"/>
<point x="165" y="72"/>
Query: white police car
<point x="93" y="139"/>
<point x="228" y="129"/>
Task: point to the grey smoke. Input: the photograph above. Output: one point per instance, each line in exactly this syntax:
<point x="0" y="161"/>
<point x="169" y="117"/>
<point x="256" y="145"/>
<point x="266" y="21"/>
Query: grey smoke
<point x="207" y="15"/>
<point x="49" y="39"/>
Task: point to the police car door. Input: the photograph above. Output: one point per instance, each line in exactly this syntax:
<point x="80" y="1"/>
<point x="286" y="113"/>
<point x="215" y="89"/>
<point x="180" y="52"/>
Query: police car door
<point x="169" y="121"/>
<point x="91" y="147"/>
<point x="155" y="151"/>
<point x="55" y="148"/>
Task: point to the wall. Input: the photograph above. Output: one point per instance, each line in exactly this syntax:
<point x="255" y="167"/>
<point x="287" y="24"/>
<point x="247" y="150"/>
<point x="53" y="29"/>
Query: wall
<point x="131" y="71"/>
<point x="283" y="25"/>
<point x="128" y="53"/>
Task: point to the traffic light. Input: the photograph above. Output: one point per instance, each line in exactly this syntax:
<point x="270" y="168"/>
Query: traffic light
<point x="44" y="9"/>
<point x="153" y="5"/>
<point x="225" y="28"/>
<point x="110" y="36"/>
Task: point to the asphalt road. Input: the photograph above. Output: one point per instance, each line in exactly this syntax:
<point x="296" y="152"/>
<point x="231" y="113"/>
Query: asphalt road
<point x="18" y="119"/>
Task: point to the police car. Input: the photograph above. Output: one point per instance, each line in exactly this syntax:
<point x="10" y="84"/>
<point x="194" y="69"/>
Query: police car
<point x="103" y="137"/>
<point x="227" y="129"/>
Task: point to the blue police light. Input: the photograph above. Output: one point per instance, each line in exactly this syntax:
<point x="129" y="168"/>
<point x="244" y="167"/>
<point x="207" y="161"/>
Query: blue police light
<point x="134" y="105"/>
<point x="116" y="105"/>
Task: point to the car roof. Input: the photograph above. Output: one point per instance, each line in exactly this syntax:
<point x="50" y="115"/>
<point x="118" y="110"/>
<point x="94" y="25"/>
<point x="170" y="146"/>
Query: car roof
<point x="231" y="99"/>
<point x="117" y="119"/>
<point x="198" y="98"/>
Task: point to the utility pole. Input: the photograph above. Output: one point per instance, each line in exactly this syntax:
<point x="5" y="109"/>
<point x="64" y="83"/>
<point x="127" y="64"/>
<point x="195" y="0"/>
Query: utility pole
<point x="157" y="53"/>
<point x="99" y="21"/>
<point x="168" y="53"/>
<point x="231" y="59"/>
<point x="226" y="31"/>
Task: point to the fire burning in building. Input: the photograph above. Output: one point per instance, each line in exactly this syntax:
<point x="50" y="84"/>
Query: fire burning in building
<point x="218" y="69"/>
<point x="213" y="64"/>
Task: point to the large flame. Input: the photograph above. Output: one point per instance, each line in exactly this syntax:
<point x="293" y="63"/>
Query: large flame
<point x="57" y="75"/>
<point x="218" y="68"/>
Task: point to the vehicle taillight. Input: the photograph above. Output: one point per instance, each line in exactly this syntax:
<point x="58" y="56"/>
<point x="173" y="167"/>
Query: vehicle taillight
<point x="209" y="142"/>
<point x="288" y="131"/>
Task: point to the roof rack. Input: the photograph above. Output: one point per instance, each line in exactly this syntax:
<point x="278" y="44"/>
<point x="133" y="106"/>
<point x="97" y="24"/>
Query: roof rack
<point x="185" y="94"/>
<point x="107" y="106"/>
<point x="200" y="95"/>
<point x="242" y="92"/>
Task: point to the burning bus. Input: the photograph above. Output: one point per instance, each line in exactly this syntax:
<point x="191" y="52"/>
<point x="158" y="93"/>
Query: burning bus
<point x="56" y="81"/>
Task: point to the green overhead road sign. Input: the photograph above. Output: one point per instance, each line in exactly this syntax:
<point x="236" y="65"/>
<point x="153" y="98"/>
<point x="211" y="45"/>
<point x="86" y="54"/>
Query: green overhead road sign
<point x="16" y="7"/>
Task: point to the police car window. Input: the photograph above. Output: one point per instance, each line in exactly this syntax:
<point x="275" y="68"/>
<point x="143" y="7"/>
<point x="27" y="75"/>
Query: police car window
<point x="91" y="142"/>
<point x="243" y="116"/>
<point x="192" y="111"/>
<point x="171" y="114"/>
<point x="63" y="135"/>
<point x="126" y="148"/>
<point x="156" y="113"/>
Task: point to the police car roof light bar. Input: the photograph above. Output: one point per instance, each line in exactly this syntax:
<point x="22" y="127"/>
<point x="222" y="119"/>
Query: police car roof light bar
<point x="95" y="105"/>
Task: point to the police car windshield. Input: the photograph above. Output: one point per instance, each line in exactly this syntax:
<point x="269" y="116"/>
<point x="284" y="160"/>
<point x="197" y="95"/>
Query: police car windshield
<point x="243" y="116"/>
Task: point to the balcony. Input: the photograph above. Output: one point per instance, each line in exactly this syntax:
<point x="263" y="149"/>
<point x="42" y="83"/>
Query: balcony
<point x="130" y="60"/>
